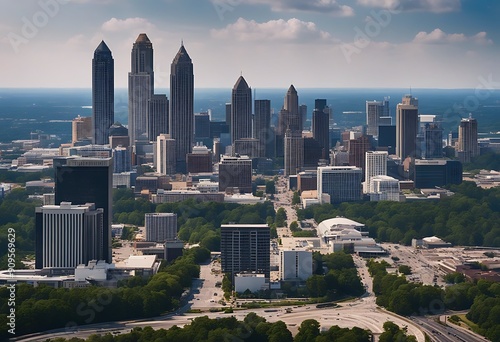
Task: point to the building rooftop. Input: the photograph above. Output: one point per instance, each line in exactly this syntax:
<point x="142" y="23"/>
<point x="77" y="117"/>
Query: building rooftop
<point x="142" y="38"/>
<point x="138" y="261"/>
<point x="241" y="83"/>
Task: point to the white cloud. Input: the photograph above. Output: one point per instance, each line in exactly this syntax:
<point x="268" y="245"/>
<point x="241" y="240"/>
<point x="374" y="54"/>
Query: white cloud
<point x="434" y="6"/>
<point x="481" y="38"/>
<point x="273" y="30"/>
<point x="331" y="7"/>
<point x="118" y="25"/>
<point x="438" y="36"/>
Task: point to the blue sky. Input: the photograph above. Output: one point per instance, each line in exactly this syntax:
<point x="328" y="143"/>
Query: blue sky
<point x="310" y="43"/>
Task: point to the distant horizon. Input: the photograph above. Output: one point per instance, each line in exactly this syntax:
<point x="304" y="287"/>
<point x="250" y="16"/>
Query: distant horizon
<point x="253" y="88"/>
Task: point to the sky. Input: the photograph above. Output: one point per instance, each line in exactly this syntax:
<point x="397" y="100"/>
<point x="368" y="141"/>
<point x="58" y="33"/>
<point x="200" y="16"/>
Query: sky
<point x="272" y="43"/>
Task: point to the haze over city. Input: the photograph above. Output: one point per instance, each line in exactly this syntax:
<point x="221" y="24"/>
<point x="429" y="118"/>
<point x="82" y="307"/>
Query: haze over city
<point x="329" y="44"/>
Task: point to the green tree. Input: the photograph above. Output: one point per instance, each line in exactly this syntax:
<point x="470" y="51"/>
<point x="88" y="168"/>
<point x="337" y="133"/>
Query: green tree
<point x="270" y="187"/>
<point x="296" y="198"/>
<point x="404" y="269"/>
<point x="308" y="331"/>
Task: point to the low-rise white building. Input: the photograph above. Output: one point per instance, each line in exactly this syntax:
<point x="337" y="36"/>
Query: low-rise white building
<point x="250" y="281"/>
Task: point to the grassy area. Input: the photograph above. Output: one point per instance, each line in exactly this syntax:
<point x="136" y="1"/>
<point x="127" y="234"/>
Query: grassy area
<point x="469" y="324"/>
<point x="194" y="311"/>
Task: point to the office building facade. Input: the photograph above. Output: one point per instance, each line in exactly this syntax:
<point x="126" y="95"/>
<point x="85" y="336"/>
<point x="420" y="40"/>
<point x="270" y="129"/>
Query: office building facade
<point x="468" y="147"/>
<point x="294" y="152"/>
<point x="407" y="127"/>
<point x="158" y="116"/>
<point x="241" y="110"/>
<point x="164" y="151"/>
<point x="431" y="173"/>
<point x="295" y="265"/>
<point x="338" y="184"/>
<point x="262" y="126"/>
<point x="68" y="235"/>
<point x="375" y="165"/>
<point x="433" y="141"/>
<point x="87" y="180"/>
<point x="320" y="126"/>
<point x="160" y="227"/>
<point x="181" y="114"/>
<point x="103" y="93"/>
<point x="235" y="172"/>
<point x="245" y="248"/>
<point x="140" y="86"/>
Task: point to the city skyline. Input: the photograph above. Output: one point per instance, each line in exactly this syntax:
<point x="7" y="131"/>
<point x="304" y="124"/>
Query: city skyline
<point x="455" y="36"/>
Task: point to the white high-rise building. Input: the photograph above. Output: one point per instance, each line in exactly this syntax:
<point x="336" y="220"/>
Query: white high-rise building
<point x="375" y="165"/>
<point x="161" y="227"/>
<point x="68" y="235"/>
<point x="164" y="155"/>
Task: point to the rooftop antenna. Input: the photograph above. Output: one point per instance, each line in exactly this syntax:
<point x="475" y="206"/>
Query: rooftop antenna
<point x="410" y="90"/>
<point x="182" y="42"/>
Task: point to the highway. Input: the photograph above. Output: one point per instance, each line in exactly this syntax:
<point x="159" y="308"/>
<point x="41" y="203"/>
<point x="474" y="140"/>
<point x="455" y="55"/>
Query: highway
<point x="446" y="333"/>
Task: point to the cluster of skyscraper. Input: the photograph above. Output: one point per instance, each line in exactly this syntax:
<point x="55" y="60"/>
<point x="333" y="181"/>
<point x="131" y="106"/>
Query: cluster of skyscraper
<point x="150" y="114"/>
<point x="171" y="124"/>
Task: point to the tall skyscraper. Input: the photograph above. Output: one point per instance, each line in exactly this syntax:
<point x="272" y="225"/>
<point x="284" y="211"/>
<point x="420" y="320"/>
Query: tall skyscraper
<point x="289" y="117"/>
<point x="262" y="125"/>
<point x="407" y="127"/>
<point x="228" y="116"/>
<point x="160" y="227"/>
<point x="339" y="184"/>
<point x="158" y="116"/>
<point x="241" y="110"/>
<point x="357" y="149"/>
<point x="320" y="126"/>
<point x="433" y="141"/>
<point x="103" y="93"/>
<point x="292" y="101"/>
<point x="140" y="87"/>
<point x="87" y="180"/>
<point x="374" y="110"/>
<point x="375" y="165"/>
<point x="468" y="147"/>
<point x="181" y="106"/>
<point x="303" y="114"/>
<point x="68" y="235"/>
<point x="245" y="248"/>
<point x="294" y="152"/>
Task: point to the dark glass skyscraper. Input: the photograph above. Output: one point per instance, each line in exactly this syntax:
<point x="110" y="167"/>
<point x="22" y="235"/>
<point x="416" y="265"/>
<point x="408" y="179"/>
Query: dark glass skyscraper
<point x="103" y="94"/>
<point x="241" y="111"/>
<point x="262" y="125"/>
<point x="158" y="116"/>
<point x="407" y="127"/>
<point x="87" y="180"/>
<point x="320" y="126"/>
<point x="140" y="86"/>
<point x="181" y="120"/>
